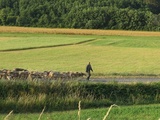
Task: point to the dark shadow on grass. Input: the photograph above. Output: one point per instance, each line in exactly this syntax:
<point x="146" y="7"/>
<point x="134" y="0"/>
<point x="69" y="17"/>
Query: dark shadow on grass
<point x="49" y="46"/>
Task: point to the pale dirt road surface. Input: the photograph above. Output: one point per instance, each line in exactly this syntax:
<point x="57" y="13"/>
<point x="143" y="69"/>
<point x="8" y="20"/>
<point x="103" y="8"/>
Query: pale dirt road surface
<point x="123" y="80"/>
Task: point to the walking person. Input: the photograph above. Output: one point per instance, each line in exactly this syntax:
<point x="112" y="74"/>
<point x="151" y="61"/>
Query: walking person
<point x="88" y="70"/>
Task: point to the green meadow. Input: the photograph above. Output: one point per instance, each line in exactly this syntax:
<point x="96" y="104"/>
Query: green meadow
<point x="22" y="41"/>
<point x="109" y="55"/>
<point x="137" y="112"/>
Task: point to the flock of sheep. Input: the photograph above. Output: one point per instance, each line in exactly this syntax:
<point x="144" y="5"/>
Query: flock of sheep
<point x="23" y="74"/>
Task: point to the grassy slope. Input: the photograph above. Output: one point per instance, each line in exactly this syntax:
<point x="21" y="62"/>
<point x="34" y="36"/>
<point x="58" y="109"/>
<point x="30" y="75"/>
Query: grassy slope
<point x="25" y="40"/>
<point x="108" y="54"/>
<point x="140" y="112"/>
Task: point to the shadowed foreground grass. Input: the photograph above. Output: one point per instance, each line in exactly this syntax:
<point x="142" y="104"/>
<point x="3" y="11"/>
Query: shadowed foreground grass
<point x="22" y="97"/>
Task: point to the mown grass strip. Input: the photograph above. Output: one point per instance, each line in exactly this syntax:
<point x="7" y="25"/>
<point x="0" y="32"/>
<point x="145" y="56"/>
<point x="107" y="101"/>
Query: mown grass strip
<point x="50" y="46"/>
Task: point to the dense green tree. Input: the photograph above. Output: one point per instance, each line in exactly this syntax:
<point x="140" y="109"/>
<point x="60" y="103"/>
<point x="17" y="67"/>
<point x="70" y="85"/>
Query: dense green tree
<point x="90" y="14"/>
<point x="153" y="5"/>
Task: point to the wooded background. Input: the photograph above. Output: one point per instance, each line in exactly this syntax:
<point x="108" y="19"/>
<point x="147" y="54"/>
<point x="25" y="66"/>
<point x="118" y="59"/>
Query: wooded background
<point x="87" y="14"/>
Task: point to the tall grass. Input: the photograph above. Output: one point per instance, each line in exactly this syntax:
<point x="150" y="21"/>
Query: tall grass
<point x="41" y="114"/>
<point x="79" y="110"/>
<point x="32" y="97"/>
<point x="105" y="117"/>
<point x="6" y="118"/>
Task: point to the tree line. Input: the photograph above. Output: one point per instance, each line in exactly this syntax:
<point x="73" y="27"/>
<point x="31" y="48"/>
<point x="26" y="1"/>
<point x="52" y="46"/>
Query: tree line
<point x="85" y="14"/>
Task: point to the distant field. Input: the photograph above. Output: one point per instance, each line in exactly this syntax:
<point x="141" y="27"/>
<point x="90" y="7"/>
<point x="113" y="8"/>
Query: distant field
<point x="9" y="41"/>
<point x="137" y="112"/>
<point x="76" y="31"/>
<point x="121" y="53"/>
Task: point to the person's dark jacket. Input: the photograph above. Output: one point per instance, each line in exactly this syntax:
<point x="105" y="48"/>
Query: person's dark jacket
<point x="89" y="68"/>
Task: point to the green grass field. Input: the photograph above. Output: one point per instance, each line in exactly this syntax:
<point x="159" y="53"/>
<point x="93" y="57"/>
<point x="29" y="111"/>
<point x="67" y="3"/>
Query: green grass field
<point x="109" y="55"/>
<point x="20" y="41"/>
<point x="137" y="112"/>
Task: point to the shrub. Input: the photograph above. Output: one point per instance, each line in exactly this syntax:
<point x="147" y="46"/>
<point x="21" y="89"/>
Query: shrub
<point x="25" y="96"/>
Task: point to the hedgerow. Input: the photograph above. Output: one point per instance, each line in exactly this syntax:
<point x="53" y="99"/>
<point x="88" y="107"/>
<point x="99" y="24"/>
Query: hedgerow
<point x="25" y="96"/>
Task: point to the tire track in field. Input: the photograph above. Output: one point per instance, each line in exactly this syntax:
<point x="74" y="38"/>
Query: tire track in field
<point x="49" y="46"/>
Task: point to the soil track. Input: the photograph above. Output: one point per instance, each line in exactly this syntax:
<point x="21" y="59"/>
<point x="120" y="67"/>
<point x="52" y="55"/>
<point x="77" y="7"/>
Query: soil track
<point x="125" y="80"/>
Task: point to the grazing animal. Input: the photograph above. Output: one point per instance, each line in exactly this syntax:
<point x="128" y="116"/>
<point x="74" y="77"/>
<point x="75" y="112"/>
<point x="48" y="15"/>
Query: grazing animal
<point x="23" y="74"/>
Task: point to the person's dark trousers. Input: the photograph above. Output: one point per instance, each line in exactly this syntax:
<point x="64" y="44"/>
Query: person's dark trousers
<point x="89" y="75"/>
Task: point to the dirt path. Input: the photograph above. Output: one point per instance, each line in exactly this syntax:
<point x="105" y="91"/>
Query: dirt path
<point x="125" y="80"/>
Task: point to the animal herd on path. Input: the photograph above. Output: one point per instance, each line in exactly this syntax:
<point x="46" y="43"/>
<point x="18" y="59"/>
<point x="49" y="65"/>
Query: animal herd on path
<point x="23" y="74"/>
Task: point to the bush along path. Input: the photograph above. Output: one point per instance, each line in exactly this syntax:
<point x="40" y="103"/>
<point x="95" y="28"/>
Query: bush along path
<point x="33" y="96"/>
